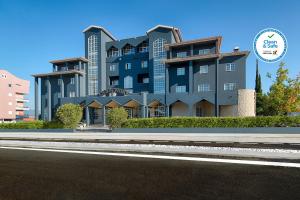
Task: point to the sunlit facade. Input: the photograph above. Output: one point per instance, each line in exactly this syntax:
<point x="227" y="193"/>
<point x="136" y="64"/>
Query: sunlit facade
<point x="154" y="75"/>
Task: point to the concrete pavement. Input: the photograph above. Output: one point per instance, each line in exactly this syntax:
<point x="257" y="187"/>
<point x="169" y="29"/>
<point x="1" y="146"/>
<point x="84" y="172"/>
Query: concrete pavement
<point x="196" y="137"/>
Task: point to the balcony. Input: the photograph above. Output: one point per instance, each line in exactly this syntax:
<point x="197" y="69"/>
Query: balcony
<point x="22" y="100"/>
<point x="191" y="58"/>
<point x="22" y="108"/>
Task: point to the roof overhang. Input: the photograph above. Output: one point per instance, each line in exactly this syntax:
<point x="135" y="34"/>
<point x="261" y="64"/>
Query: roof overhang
<point x="217" y="39"/>
<point x="69" y="60"/>
<point x="100" y="28"/>
<point x="235" y="53"/>
<point x="112" y="103"/>
<point x="94" y="104"/>
<point x="131" y="103"/>
<point x="58" y="73"/>
<point x="176" y="32"/>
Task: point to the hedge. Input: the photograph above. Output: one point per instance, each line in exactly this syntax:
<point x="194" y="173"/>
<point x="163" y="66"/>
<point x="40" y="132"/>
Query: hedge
<point x="31" y="125"/>
<point x="211" y="122"/>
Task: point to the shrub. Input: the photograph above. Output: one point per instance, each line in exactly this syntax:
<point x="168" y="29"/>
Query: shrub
<point x="69" y="115"/>
<point x="210" y="122"/>
<point x="116" y="117"/>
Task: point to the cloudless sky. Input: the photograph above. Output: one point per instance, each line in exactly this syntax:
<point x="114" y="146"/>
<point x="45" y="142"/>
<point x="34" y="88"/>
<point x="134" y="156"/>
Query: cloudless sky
<point x="32" y="32"/>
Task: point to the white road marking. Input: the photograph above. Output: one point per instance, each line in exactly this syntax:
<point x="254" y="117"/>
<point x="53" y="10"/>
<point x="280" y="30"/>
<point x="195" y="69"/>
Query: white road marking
<point x="184" y="158"/>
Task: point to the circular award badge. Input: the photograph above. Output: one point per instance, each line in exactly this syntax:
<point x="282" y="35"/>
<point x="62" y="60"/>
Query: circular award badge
<point x="270" y="45"/>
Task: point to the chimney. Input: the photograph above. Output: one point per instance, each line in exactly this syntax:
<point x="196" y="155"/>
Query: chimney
<point x="236" y="49"/>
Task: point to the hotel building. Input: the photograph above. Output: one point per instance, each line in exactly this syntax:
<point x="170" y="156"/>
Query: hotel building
<point x="154" y="75"/>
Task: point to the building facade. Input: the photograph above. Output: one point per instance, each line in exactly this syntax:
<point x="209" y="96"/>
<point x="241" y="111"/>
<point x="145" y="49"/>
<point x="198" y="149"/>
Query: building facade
<point x="154" y="75"/>
<point x="13" y="102"/>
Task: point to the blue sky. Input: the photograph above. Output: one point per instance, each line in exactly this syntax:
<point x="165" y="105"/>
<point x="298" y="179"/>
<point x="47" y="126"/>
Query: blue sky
<point x="34" y="31"/>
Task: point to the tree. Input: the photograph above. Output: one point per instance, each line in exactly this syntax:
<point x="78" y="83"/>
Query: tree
<point x="69" y="115"/>
<point x="260" y="97"/>
<point x="258" y="88"/>
<point x="293" y="94"/>
<point x="284" y="94"/>
<point x="116" y="117"/>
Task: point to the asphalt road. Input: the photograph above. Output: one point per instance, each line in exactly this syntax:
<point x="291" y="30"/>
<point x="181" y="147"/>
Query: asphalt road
<point x="53" y="175"/>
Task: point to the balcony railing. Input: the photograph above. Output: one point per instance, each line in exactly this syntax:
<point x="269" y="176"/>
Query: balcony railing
<point x="22" y="108"/>
<point x="22" y="100"/>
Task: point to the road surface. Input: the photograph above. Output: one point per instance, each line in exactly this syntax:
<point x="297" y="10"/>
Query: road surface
<point x="55" y="175"/>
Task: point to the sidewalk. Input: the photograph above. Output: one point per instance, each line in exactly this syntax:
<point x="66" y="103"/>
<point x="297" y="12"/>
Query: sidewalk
<point x="177" y="137"/>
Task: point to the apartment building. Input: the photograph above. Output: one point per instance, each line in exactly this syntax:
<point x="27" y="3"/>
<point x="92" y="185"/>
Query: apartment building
<point x="13" y="99"/>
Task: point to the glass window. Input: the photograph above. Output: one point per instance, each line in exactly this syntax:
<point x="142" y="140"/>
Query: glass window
<point x="230" y="67"/>
<point x="113" y="52"/>
<point x="59" y="81"/>
<point x="58" y="95"/>
<point x="144" y="64"/>
<point x="128" y="66"/>
<point x="128" y="82"/>
<point x="72" y="94"/>
<point x="146" y="80"/>
<point x="129" y="90"/>
<point x="112" y="67"/>
<point x="93" y="49"/>
<point x="230" y="86"/>
<point x="204" y="69"/>
<point x="128" y="49"/>
<point x="72" y="80"/>
<point x="115" y="82"/>
<point x="159" y="54"/>
<point x="143" y="47"/>
<point x="204" y="51"/>
<point x="180" y="71"/>
<point x="180" y="88"/>
<point x="181" y="54"/>
<point x="203" y="87"/>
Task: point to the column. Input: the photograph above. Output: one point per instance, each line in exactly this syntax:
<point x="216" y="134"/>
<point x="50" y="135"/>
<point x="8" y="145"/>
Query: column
<point x="191" y="80"/>
<point x="62" y="87"/>
<point x="49" y="99"/>
<point x="79" y="66"/>
<point x="167" y="111"/>
<point x="216" y="89"/>
<point x="167" y="79"/>
<point x="104" y="115"/>
<point x="87" y="115"/>
<point x="76" y="86"/>
<point x="36" y="97"/>
<point x="190" y="110"/>
<point x="144" y="105"/>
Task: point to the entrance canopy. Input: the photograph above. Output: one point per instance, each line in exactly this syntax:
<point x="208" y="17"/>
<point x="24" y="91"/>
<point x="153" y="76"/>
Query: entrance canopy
<point x="94" y="104"/>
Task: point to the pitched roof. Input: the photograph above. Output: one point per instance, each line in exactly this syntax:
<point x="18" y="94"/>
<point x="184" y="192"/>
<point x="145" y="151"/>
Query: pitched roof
<point x="101" y="28"/>
<point x="176" y="31"/>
